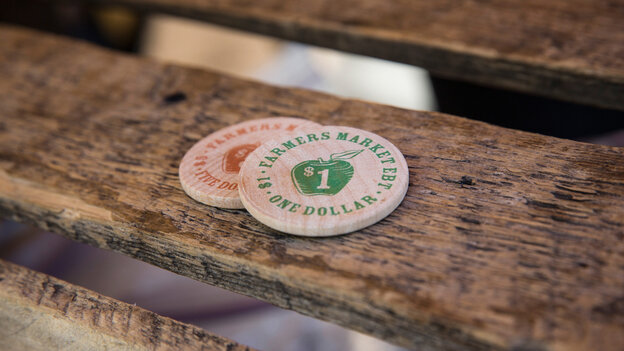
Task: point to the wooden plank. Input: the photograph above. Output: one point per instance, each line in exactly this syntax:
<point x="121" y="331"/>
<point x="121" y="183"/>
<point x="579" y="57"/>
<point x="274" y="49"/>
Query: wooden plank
<point x="565" y="49"/>
<point x="39" y="312"/>
<point x="505" y="239"/>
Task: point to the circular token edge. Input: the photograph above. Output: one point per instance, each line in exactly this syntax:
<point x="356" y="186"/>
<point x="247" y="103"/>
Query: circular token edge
<point x="345" y="227"/>
<point x="225" y="202"/>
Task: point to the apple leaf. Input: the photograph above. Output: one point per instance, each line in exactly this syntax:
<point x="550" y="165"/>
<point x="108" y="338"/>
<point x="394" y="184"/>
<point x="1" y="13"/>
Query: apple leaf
<point x="345" y="155"/>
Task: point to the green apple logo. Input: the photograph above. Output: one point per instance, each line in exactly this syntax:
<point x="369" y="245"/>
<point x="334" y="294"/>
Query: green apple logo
<point x="319" y="177"/>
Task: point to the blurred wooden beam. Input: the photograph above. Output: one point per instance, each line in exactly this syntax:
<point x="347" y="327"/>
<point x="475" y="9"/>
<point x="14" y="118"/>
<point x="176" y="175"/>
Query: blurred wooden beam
<point x="564" y="49"/>
<point x="39" y="312"/>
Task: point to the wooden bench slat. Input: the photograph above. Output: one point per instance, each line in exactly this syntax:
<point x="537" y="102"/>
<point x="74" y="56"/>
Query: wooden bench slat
<point x="564" y="49"/>
<point x="39" y="312"/>
<point x="505" y="238"/>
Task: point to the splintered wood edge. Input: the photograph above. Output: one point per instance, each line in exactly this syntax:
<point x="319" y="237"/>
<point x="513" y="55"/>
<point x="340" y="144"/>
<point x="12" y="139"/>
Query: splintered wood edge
<point x="39" y="312"/>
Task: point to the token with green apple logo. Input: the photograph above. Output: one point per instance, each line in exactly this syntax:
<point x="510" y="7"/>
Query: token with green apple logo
<point x="321" y="182"/>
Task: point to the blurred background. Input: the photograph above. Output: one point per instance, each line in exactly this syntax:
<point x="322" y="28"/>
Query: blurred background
<point x="198" y="44"/>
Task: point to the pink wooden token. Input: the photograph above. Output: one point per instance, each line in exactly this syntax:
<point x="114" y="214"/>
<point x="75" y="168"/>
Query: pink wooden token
<point x="325" y="181"/>
<point x="209" y="170"/>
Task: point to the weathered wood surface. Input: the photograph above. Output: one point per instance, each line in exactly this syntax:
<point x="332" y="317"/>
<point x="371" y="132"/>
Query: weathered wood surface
<point x="39" y="312"/>
<point x="565" y="49"/>
<point x="505" y="239"/>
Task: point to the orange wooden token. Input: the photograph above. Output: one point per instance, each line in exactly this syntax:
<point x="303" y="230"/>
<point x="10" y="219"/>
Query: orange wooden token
<point x="327" y="181"/>
<point x="209" y="170"/>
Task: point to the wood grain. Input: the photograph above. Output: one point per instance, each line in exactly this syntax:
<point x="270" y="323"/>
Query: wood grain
<point x="565" y="49"/>
<point x="39" y="312"/>
<point x="505" y="239"/>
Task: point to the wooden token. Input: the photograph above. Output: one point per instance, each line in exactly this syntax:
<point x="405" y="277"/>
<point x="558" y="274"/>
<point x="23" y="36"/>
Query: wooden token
<point x="209" y="170"/>
<point x="328" y="181"/>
